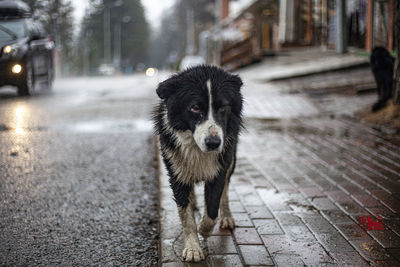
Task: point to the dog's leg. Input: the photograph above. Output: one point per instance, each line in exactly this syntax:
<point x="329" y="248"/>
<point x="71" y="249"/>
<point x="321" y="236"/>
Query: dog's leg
<point x="226" y="219"/>
<point x="212" y="195"/>
<point x="184" y="197"/>
<point x="193" y="200"/>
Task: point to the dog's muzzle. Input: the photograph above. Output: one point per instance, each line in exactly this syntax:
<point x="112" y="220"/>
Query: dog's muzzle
<point x="209" y="137"/>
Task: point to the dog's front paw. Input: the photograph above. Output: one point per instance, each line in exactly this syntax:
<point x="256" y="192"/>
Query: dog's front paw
<point x="193" y="252"/>
<point x="227" y="222"/>
<point x="206" y="226"/>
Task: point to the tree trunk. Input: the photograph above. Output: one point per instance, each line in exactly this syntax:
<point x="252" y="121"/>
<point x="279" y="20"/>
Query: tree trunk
<point x="396" y="72"/>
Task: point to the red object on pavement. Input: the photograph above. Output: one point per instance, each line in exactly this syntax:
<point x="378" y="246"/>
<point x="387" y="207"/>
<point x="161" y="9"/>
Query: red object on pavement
<point x="368" y="223"/>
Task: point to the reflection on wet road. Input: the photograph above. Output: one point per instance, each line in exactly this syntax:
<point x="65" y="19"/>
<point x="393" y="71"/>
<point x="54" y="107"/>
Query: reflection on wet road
<point x="78" y="182"/>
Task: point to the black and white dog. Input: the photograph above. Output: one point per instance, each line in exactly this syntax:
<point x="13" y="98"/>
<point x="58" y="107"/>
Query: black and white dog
<point x="382" y="64"/>
<point x="198" y="121"/>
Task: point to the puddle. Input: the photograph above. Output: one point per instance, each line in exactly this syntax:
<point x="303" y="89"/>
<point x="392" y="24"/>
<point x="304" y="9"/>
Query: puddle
<point x="299" y="207"/>
<point x="139" y="125"/>
<point x="283" y="201"/>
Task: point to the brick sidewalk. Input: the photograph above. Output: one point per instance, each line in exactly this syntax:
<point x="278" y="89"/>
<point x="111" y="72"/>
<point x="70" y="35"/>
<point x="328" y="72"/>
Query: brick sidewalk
<point x="303" y="190"/>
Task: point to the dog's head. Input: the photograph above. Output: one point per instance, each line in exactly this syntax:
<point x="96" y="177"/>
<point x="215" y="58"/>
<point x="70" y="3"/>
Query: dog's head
<point x="380" y="56"/>
<point x="205" y="100"/>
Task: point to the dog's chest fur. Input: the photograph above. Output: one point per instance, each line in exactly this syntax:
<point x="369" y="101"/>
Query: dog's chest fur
<point x="189" y="163"/>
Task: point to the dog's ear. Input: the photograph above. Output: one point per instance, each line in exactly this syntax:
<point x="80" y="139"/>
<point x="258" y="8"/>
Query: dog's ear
<point x="235" y="82"/>
<point x="168" y="87"/>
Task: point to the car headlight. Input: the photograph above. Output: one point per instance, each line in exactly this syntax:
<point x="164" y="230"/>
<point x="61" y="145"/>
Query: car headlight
<point x="10" y="50"/>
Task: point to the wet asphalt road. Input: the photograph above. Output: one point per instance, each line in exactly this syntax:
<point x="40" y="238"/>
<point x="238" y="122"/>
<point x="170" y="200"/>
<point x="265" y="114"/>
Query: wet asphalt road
<point x="78" y="181"/>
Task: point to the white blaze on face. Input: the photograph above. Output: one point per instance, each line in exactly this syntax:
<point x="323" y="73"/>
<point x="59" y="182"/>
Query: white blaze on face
<point x="209" y="127"/>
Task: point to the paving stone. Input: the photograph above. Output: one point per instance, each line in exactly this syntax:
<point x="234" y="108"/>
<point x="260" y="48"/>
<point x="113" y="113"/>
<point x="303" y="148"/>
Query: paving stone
<point x="251" y="199"/>
<point x="242" y="220"/>
<point x="240" y="181"/>
<point x="383" y="212"/>
<point x="313" y="254"/>
<point x="287" y="188"/>
<point x="299" y="233"/>
<point x="394" y="225"/>
<point x="395" y="252"/>
<point x="167" y="251"/>
<point x="386" y="238"/>
<point x="351" y="207"/>
<point x="172" y="264"/>
<point x="170" y="228"/>
<point x="247" y="236"/>
<point x="268" y="227"/>
<point x="387" y="199"/>
<point x="273" y="199"/>
<point x="348" y="258"/>
<point x="323" y="204"/>
<point x="337" y="196"/>
<point x="319" y="225"/>
<point x="351" y="188"/>
<point x="244" y="189"/>
<point x="262" y="182"/>
<point x="279" y="244"/>
<point x="366" y="200"/>
<point x="233" y="195"/>
<point x="352" y="231"/>
<point x="312" y="192"/>
<point x="221" y="245"/>
<point x="371" y="250"/>
<point x="255" y="255"/>
<point x="386" y="263"/>
<point x="285" y="260"/>
<point x="286" y="218"/>
<point x="236" y="206"/>
<point x="361" y="181"/>
<point x="186" y="264"/>
<point x="259" y="212"/>
<point x="303" y="183"/>
<point x="219" y="231"/>
<point x="334" y="242"/>
<point x="226" y="260"/>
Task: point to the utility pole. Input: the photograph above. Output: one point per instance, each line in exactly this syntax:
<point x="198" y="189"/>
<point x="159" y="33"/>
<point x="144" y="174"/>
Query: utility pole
<point x="341" y="40"/>
<point x="218" y="34"/>
<point x="107" y="35"/>
<point x="190" y="32"/>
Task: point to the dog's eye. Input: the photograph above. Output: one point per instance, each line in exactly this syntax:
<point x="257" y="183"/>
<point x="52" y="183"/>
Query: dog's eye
<point x="195" y="109"/>
<point x="223" y="108"/>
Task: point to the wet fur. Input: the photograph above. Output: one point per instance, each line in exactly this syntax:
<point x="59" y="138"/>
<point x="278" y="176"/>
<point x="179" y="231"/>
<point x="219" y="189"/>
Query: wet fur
<point x="215" y="92"/>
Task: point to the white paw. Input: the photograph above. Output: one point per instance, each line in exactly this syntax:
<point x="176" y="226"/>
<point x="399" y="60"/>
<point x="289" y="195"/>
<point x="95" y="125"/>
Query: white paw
<point x="227" y="223"/>
<point x="193" y="253"/>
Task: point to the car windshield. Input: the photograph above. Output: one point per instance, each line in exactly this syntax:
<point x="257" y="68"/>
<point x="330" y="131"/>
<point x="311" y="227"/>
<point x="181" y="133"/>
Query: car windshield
<point x="12" y="30"/>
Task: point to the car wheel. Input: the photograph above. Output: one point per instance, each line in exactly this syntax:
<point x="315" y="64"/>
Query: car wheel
<point x="27" y="86"/>
<point x="49" y="80"/>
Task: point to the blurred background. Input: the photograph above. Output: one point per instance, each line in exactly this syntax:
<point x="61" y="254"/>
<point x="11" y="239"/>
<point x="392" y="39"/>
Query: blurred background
<point x="94" y="36"/>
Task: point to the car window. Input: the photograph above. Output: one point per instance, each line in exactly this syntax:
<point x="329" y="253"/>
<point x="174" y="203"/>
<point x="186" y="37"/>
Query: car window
<point x="10" y="30"/>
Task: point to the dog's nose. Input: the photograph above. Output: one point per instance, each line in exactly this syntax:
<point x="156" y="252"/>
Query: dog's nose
<point x="212" y="142"/>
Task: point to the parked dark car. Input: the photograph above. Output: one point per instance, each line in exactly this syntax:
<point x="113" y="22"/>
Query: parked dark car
<point x="26" y="51"/>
